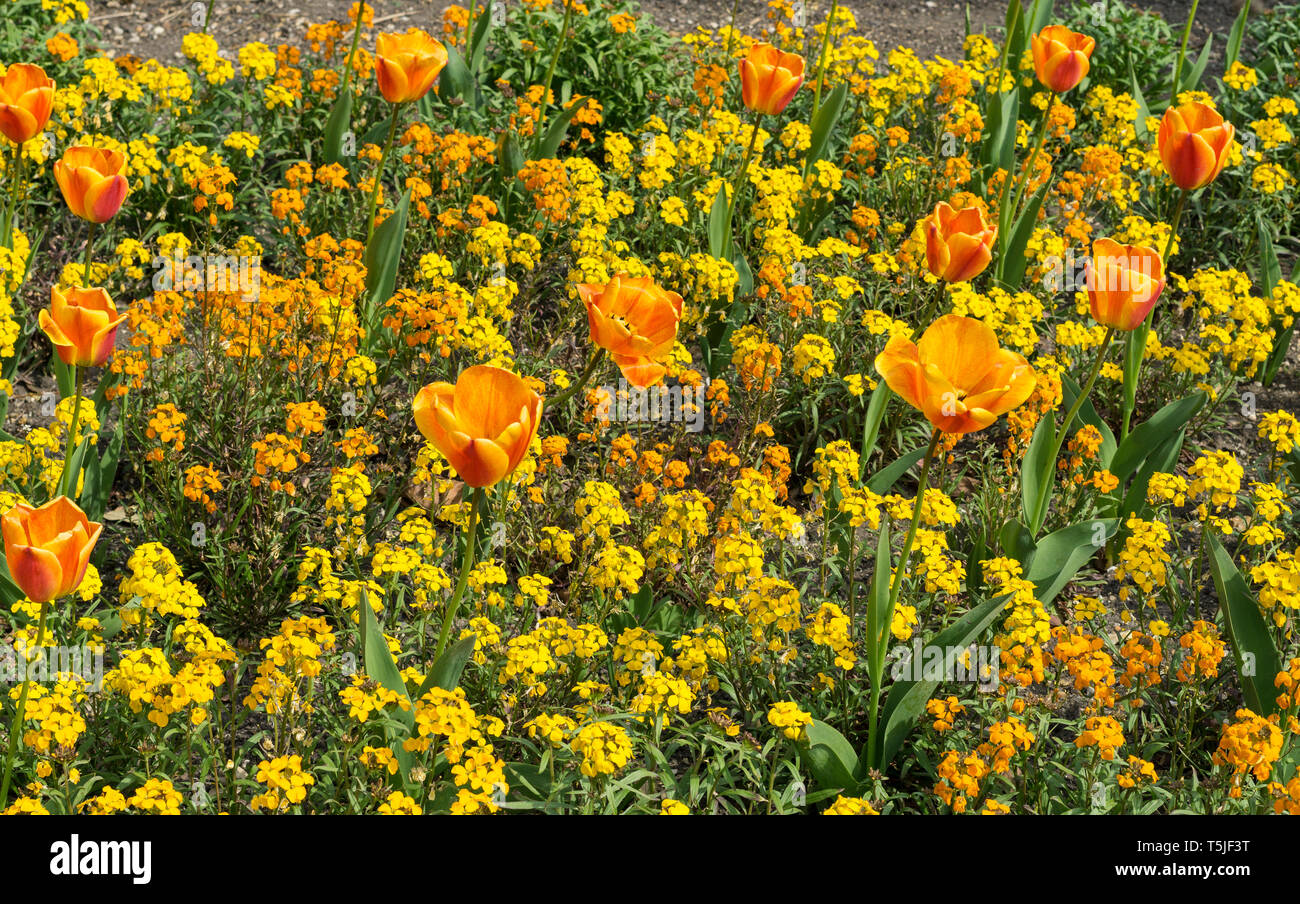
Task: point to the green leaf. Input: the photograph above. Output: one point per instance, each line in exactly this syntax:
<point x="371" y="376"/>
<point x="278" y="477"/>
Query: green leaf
<point x="446" y="671"/>
<point x="478" y="43"/>
<point x="746" y="282"/>
<point x="1252" y="643"/>
<point x="1013" y="269"/>
<point x="380" y="666"/>
<point x="336" y="128"/>
<point x="830" y="758"/>
<point x="718" y="223"/>
<point x="1163" y="460"/>
<point x="1143" y="111"/>
<point x="550" y="145"/>
<point x="884" y="479"/>
<point x="880" y="578"/>
<point x="1148" y="437"/>
<point x="510" y="155"/>
<point x="907" y="699"/>
<point x="1088" y="415"/>
<point x="383" y="256"/>
<point x="456" y="78"/>
<point x="1059" y="556"/>
<point x="1234" y="37"/>
<point x="871" y="426"/>
<point x="823" y="125"/>
<point x="94" y="497"/>
<point x="1017" y="542"/>
<point x="1000" y="146"/>
<point x="10" y="593"/>
<point x="1193" y="77"/>
<point x="1035" y="468"/>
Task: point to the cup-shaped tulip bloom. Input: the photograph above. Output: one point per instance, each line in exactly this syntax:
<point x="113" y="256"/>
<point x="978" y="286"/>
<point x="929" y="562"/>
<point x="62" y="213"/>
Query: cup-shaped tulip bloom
<point x="1061" y="57"/>
<point x="47" y="549"/>
<point x="26" y="99"/>
<point x="770" y="78"/>
<point x="958" y="243"/>
<point x="407" y="65"/>
<point x="93" y="182"/>
<point x="957" y="376"/>
<point x="82" y="324"/>
<point x="636" y="322"/>
<point x="1194" y="144"/>
<point x="1123" y="282"/>
<point x="483" y="424"/>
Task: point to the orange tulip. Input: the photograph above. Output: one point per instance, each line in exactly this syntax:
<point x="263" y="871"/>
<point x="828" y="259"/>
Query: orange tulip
<point x="482" y="425"/>
<point x="47" y="549"/>
<point x="636" y="321"/>
<point x="958" y="243"/>
<point x="1061" y="57"/>
<point x="957" y="376"/>
<point x="26" y="99"/>
<point x="769" y="78"/>
<point x="407" y="65"/>
<point x="82" y="324"/>
<point x="1194" y="143"/>
<point x="1123" y="282"/>
<point x="93" y="182"/>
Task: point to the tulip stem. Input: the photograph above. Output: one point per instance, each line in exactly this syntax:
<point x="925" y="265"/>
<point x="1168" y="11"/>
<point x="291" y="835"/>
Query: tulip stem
<point x="1033" y="158"/>
<point x="67" y="483"/>
<point x="731" y="31"/>
<point x="736" y="185"/>
<point x="85" y="265"/>
<point x="1138" y="337"/>
<point x="352" y="53"/>
<point x="466" y="565"/>
<point x="574" y="388"/>
<point x="16" y="728"/>
<point x="876" y="632"/>
<point x="821" y="65"/>
<point x="1040" y="504"/>
<point x="550" y="71"/>
<point x="379" y="175"/>
<point x="1182" y="54"/>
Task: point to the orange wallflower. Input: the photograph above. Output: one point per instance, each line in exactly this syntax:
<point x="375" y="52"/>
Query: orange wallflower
<point x="482" y="425"/>
<point x="26" y="99"/>
<point x="1061" y="57"/>
<point x="1194" y="143"/>
<point x="93" y="182"/>
<point x="958" y="243"/>
<point x="957" y="376"/>
<point x="636" y="321"/>
<point x="769" y="78"/>
<point x="48" y="549"/>
<point x="407" y="65"/>
<point x="82" y="324"/>
<point x="1123" y="282"/>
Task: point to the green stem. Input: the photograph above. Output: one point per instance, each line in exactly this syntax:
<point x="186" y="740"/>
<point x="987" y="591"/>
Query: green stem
<point x="1033" y="158"/>
<point x="550" y="71"/>
<point x="16" y="728"/>
<point x="735" y="9"/>
<point x="821" y="62"/>
<point x="379" y="175"/>
<point x="352" y="53"/>
<point x="85" y="264"/>
<point x="876" y="633"/>
<point x="737" y="183"/>
<point x="1040" y="504"/>
<point x="1182" y="54"/>
<point x="574" y="388"/>
<point x="67" y="482"/>
<point x="466" y="565"/>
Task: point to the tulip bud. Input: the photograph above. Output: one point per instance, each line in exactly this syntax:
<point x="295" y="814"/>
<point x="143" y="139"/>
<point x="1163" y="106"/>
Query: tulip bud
<point x="958" y="243"/>
<point x="769" y="78"/>
<point x="93" y="182"/>
<point x="82" y="324"/>
<point x="636" y="322"/>
<point x="1123" y="282"/>
<point x="1061" y="57"/>
<point x="1194" y="143"/>
<point x="406" y="66"/>
<point x="48" y="549"/>
<point x="26" y="99"/>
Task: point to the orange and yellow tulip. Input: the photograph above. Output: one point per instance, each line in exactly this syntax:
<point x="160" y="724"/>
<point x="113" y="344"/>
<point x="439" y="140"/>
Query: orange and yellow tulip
<point x="82" y="324"/>
<point x="958" y="243"/>
<point x="47" y="549"/>
<point x="483" y="424"/>
<point x="1061" y="57"/>
<point x="93" y="182"/>
<point x="957" y="376"/>
<point x="1194" y="143"/>
<point x="407" y="65"/>
<point x="1123" y="282"/>
<point x="770" y="78"/>
<point x="26" y="99"/>
<point x="636" y="322"/>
